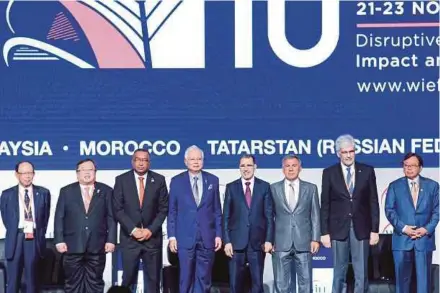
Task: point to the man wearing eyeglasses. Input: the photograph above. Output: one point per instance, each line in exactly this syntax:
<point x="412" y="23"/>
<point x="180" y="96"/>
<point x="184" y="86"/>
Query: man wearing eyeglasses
<point x="247" y="226"/>
<point x="85" y="230"/>
<point x="25" y="212"/>
<point x="412" y="207"/>
<point x="349" y="215"/>
<point x="141" y="206"/>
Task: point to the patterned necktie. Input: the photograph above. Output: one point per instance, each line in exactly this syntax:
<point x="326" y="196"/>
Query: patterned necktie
<point x="87" y="198"/>
<point x="247" y="194"/>
<point x="141" y="190"/>
<point x="195" y="190"/>
<point x="292" y="199"/>
<point x="349" y="182"/>
<point x="28" y="209"/>
<point x="414" y="192"/>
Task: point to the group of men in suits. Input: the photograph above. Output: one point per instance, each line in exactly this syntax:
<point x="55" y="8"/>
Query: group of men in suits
<point x="284" y="219"/>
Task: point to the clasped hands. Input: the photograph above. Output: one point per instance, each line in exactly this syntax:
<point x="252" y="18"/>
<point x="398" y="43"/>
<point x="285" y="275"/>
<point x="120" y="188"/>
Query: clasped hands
<point x="141" y="234"/>
<point x="414" y="233"/>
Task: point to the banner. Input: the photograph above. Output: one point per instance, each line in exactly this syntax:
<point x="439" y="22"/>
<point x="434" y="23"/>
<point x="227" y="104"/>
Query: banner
<point x="100" y="79"/>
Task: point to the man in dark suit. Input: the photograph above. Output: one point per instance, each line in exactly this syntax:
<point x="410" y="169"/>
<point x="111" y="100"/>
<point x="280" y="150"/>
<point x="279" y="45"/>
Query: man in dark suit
<point x="141" y="206"/>
<point x="247" y="226"/>
<point x="25" y="212"/>
<point x="412" y="207"/>
<point x="349" y="215"/>
<point x="194" y="223"/>
<point x="85" y="229"/>
<point x="297" y="229"/>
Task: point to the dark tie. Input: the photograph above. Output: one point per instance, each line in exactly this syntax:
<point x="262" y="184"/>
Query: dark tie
<point x="247" y="194"/>
<point x="27" y="202"/>
<point x="350" y="185"/>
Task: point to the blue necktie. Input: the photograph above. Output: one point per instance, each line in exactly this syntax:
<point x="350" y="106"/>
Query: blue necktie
<point x="350" y="187"/>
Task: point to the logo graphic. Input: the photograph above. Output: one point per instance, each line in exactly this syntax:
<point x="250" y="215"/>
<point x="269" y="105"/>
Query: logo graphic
<point x="148" y="33"/>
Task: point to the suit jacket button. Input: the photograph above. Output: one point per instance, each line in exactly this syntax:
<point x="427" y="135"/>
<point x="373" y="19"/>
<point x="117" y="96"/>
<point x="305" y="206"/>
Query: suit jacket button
<point x="87" y="228"/>
<point x="248" y="225"/>
<point x="349" y="214"/>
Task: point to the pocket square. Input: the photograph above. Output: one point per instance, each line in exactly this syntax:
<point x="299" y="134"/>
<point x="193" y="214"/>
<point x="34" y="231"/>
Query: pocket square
<point x="210" y="187"/>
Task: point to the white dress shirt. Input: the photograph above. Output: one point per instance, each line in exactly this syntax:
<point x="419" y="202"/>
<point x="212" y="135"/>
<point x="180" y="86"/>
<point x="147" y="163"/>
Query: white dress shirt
<point x="295" y="188"/>
<point x="21" y="191"/>
<point x="251" y="186"/>
<point x="136" y="179"/>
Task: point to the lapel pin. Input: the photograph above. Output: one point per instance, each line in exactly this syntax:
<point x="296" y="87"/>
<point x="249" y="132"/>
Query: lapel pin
<point x="98" y="191"/>
<point x="37" y="193"/>
<point x="152" y="180"/>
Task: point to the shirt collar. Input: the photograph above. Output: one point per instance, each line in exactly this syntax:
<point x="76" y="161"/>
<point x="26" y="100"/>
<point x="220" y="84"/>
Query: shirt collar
<point x="344" y="167"/>
<point x="417" y="180"/>
<point x="252" y="180"/>
<point x="137" y="175"/>
<point x="21" y="189"/>
<point x="294" y="182"/>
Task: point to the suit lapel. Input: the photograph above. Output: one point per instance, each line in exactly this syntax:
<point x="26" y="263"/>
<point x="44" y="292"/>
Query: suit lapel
<point x="188" y="183"/>
<point x="132" y="182"/>
<point x="95" y="197"/>
<point x="78" y="197"/>
<point x="358" y="174"/>
<point x="343" y="183"/>
<point x="420" y="196"/>
<point x="149" y="188"/>
<point x="282" y="194"/>
<point x="407" y="191"/>
<point x="300" y="195"/>
<point x="37" y="196"/>
<point x="205" y="186"/>
<point x="239" y="187"/>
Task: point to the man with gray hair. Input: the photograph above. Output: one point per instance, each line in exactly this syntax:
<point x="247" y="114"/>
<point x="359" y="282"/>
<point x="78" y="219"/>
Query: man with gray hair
<point x="297" y="229"/>
<point x="349" y="215"/>
<point x="194" y="223"/>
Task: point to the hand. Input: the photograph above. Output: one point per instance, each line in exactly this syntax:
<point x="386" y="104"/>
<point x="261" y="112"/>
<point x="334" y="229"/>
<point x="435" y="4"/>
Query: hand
<point x="228" y="250"/>
<point x="325" y="240"/>
<point x="61" y="247"/>
<point x="137" y="233"/>
<point x="374" y="238"/>
<point x="314" y="247"/>
<point x="420" y="232"/>
<point x="268" y="247"/>
<point x="410" y="231"/>
<point x="218" y="243"/>
<point x="173" y="245"/>
<point x="109" y="247"/>
<point x="146" y="234"/>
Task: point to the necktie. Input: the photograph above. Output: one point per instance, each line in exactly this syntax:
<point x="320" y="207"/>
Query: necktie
<point x="292" y="199"/>
<point x="247" y="194"/>
<point x="87" y="198"/>
<point x="28" y="209"/>
<point x="414" y="192"/>
<point x="195" y="190"/>
<point x="141" y="190"/>
<point x="349" y="182"/>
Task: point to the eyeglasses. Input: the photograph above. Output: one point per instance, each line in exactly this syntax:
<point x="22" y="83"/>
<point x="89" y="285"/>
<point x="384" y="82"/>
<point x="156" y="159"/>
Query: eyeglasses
<point x="26" y="173"/>
<point x="410" y="166"/>
<point x="85" y="170"/>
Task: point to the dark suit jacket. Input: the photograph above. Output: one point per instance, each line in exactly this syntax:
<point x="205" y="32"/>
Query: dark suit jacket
<point x="186" y="219"/>
<point x="85" y="232"/>
<point x="154" y="208"/>
<point x="10" y="216"/>
<point x="400" y="211"/>
<point x="338" y="209"/>
<point x="243" y="225"/>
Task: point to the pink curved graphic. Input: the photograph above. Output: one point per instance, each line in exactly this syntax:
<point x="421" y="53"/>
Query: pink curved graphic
<point x="111" y="49"/>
